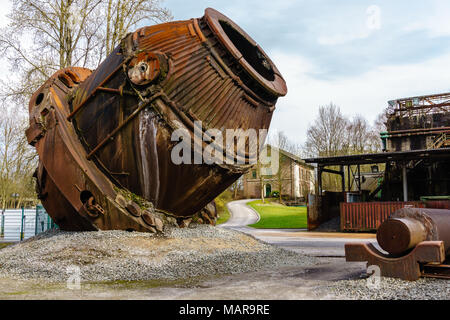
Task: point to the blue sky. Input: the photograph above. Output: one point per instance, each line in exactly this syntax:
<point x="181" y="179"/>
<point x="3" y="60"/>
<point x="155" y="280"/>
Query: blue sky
<point x="334" y="51"/>
<point x="331" y="50"/>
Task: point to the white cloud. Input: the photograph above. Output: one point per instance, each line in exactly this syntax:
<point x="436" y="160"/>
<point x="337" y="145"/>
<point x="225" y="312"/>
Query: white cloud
<point x="435" y="22"/>
<point x="353" y="29"/>
<point x="337" y="39"/>
<point x="366" y="94"/>
<point x="241" y="11"/>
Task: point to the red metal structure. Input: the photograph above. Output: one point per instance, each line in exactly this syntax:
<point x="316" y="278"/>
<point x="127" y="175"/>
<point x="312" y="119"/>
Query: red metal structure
<point x="104" y="137"/>
<point x="368" y="216"/>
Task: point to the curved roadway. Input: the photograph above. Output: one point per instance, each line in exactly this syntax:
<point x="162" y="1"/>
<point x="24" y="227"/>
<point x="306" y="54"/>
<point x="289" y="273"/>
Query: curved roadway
<point x="241" y="215"/>
<point x="325" y="244"/>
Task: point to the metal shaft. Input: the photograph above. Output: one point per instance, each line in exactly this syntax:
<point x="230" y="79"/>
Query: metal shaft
<point x="405" y="184"/>
<point x="399" y="235"/>
<point x="408" y="227"/>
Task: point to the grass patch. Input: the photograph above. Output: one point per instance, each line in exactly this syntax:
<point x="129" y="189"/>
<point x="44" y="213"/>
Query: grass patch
<point x="221" y="206"/>
<point x="277" y="216"/>
<point x="4" y="244"/>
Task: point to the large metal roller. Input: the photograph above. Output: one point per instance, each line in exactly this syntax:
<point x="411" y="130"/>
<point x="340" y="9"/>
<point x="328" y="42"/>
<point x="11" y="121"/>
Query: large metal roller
<point x="407" y="227"/>
<point x="417" y="241"/>
<point x="104" y="137"/>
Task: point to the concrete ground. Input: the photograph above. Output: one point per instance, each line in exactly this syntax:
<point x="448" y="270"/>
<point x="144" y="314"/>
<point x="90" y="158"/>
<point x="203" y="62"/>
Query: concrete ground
<point x="290" y="283"/>
<point x="285" y="283"/>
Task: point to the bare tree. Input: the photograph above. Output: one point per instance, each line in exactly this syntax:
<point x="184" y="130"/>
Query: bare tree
<point x="359" y="134"/>
<point x="42" y="37"/>
<point x="261" y="180"/>
<point x="327" y="136"/>
<point x="279" y="141"/>
<point x="306" y="181"/>
<point x="17" y="161"/>
<point x="237" y="187"/>
<point x="122" y="15"/>
<point x="47" y="35"/>
<point x="380" y="121"/>
<point x="332" y="134"/>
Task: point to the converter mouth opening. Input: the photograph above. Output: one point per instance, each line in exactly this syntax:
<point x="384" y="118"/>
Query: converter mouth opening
<point x="250" y="56"/>
<point x="251" y="53"/>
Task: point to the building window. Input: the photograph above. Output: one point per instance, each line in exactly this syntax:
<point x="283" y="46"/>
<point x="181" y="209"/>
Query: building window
<point x="254" y="174"/>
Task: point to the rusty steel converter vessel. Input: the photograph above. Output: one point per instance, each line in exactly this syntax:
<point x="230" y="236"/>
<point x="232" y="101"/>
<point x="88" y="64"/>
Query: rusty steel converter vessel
<point x="104" y="137"/>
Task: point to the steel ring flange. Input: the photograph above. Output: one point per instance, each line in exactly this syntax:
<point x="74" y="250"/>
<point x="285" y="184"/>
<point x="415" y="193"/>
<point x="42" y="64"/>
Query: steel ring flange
<point x="147" y="67"/>
<point x="93" y="209"/>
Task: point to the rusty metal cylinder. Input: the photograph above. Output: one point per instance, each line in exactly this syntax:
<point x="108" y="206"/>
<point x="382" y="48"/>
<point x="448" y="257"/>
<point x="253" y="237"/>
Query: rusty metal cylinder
<point x="407" y="227"/>
<point x="170" y="76"/>
<point x="148" y="138"/>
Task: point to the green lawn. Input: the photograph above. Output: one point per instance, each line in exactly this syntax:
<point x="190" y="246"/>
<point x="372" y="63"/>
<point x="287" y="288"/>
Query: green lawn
<point x="223" y="216"/>
<point x="4" y="244"/>
<point x="276" y="216"/>
<point x="221" y="205"/>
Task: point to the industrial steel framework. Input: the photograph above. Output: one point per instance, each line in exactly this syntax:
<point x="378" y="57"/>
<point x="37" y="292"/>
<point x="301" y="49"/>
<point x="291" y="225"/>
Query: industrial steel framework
<point x="420" y="105"/>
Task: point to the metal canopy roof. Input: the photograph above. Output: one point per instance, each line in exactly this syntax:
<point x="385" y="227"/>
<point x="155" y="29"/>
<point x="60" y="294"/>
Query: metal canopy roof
<point x="435" y="154"/>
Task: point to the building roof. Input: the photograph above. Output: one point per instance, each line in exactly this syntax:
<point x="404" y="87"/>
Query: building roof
<point x="292" y="156"/>
<point x="435" y="154"/>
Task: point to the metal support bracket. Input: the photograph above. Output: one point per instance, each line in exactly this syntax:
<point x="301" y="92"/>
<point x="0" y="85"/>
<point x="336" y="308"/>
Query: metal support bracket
<point x="406" y="267"/>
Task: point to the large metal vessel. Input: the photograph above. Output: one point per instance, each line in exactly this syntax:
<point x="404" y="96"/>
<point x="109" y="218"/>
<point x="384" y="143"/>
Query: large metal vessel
<point x="105" y="137"/>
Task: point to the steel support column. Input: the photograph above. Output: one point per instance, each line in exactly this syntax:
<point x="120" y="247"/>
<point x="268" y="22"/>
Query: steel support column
<point x="405" y="183"/>
<point x="319" y="179"/>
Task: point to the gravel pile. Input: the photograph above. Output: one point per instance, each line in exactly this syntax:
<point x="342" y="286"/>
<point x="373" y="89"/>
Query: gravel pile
<point x="392" y="289"/>
<point x="119" y="255"/>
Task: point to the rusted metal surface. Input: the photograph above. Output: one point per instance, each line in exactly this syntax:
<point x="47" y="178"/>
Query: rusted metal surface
<point x="313" y="210"/>
<point x="417" y="241"/>
<point x="433" y="270"/>
<point x="421" y="225"/>
<point x="323" y="208"/>
<point x="407" y="267"/>
<point x="104" y="136"/>
<point x="413" y="122"/>
<point x="368" y="216"/>
<point x="438" y="204"/>
<point x="407" y="233"/>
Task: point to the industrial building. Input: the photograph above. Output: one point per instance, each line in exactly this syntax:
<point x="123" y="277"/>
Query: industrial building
<point x="416" y="162"/>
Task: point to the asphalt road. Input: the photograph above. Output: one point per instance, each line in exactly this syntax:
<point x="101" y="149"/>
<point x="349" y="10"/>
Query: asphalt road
<point x="241" y="215"/>
<point x="319" y="244"/>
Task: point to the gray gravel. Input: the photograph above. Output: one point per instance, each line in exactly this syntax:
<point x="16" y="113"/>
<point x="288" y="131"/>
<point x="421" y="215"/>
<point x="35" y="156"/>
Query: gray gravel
<point x="391" y="289"/>
<point x="119" y="255"/>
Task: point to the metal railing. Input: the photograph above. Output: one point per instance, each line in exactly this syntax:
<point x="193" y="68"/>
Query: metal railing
<point x="21" y="224"/>
<point x="439" y="141"/>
